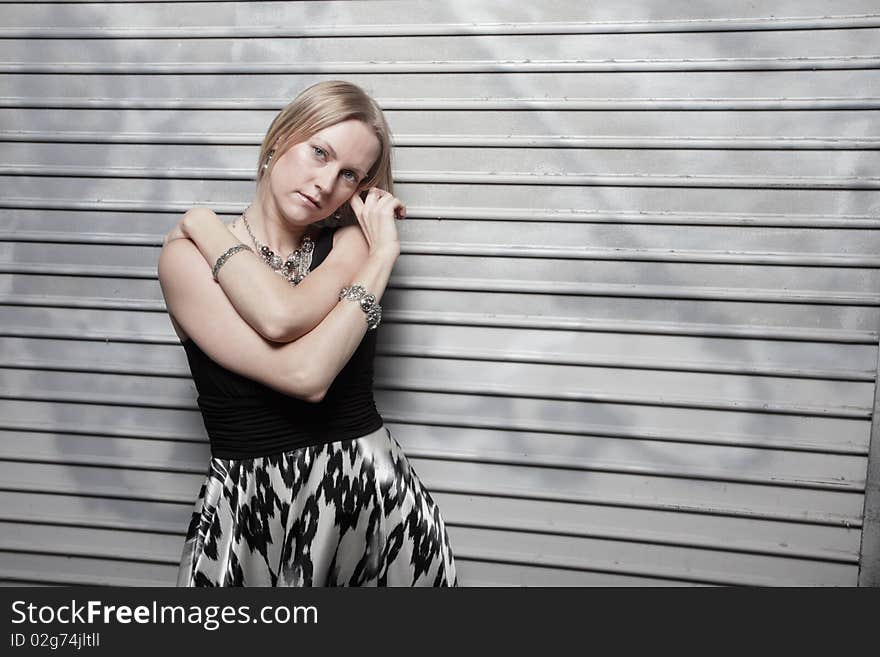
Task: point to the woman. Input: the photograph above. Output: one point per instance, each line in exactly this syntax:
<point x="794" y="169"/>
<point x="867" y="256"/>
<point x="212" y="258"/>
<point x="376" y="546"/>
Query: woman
<point x="306" y="486"/>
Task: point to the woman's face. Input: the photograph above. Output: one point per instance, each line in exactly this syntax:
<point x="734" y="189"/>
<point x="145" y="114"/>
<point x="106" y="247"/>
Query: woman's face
<point x="312" y="179"/>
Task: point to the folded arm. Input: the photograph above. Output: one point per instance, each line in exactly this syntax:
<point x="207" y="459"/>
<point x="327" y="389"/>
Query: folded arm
<point x="304" y="368"/>
<point x="277" y="310"/>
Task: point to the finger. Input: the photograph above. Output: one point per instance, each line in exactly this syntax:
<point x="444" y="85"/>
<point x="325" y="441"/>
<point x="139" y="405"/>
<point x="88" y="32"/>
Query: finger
<point x="364" y="213"/>
<point x="356" y="204"/>
<point x="371" y="202"/>
<point x="400" y="210"/>
<point x="397" y="206"/>
<point x="359" y="210"/>
<point x="386" y="197"/>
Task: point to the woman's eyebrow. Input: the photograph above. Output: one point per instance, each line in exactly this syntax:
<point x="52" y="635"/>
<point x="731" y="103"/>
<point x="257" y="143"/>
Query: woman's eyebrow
<point x="360" y="173"/>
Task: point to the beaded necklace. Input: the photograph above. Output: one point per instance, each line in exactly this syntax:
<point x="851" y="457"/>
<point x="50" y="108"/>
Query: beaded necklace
<point x="295" y="267"/>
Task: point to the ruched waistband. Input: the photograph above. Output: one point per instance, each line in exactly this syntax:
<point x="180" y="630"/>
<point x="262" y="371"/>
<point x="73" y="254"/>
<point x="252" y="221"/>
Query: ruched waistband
<point x="252" y="427"/>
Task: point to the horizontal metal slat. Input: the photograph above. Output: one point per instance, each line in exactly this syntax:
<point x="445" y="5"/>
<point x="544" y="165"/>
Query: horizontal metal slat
<point x="661" y="26"/>
<point x="820" y="89"/>
<point x="769" y="357"/>
<point x="382" y="12"/>
<point x="532" y="202"/>
<point x="391" y="50"/>
<point x="145" y="547"/>
<point x="668" y="528"/>
<point x="740" y="500"/>
<point x="131" y="208"/>
<point x="53" y="570"/>
<point x="478" y="141"/>
<point x="478" y="178"/>
<point x="706" y="568"/>
<point x="629" y="558"/>
<point x="233" y="162"/>
<point x="851" y="62"/>
<point x="462" y="285"/>
<point x="586" y="453"/>
<point x="33" y="316"/>
<point x="607" y="277"/>
<point x="408" y="247"/>
<point x="473" y="572"/>
<point x="506" y="380"/>
<point x="180" y="456"/>
<point x="103" y="513"/>
<point x="512" y="104"/>
<point x="793" y="434"/>
<point x="658" y="421"/>
<point x="172" y="425"/>
<point x="67" y="570"/>
<point x="836" y="509"/>
<point x="443" y="127"/>
<point x="654" y="527"/>
<point x="467" y="285"/>
<point x="684" y="461"/>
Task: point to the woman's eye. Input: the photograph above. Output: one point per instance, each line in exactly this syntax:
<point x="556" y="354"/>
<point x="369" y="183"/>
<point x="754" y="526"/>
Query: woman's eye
<point x="318" y="151"/>
<point x="350" y="176"/>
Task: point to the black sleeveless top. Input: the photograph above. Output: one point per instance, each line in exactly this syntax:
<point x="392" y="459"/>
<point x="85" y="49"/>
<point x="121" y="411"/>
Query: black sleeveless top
<point x="246" y="419"/>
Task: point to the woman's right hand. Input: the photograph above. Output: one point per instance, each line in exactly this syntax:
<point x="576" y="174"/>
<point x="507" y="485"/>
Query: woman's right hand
<point x="192" y="218"/>
<point x="376" y="217"/>
<point x="176" y="233"/>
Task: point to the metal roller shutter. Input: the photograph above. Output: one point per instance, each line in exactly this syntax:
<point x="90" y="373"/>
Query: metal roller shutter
<point x="632" y="337"/>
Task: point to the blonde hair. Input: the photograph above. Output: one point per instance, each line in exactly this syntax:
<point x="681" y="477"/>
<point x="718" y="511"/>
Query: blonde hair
<point x="320" y="106"/>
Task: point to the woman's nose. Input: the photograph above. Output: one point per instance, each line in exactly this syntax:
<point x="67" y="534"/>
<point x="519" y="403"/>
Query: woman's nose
<point x="325" y="180"/>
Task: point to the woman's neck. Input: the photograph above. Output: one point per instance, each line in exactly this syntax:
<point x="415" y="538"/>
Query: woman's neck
<point x="270" y="228"/>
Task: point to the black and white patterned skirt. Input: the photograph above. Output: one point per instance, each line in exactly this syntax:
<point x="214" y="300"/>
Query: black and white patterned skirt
<point x="347" y="513"/>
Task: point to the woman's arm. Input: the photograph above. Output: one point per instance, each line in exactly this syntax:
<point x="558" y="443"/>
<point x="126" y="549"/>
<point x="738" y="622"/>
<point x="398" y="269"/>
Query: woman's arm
<point x="306" y="367"/>
<point x="265" y="300"/>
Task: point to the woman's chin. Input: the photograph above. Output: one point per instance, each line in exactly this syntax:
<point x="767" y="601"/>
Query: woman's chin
<point x="297" y="216"/>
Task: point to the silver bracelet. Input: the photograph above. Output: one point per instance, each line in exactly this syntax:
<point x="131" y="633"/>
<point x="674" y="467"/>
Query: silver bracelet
<point x="232" y="250"/>
<point x="366" y="301"/>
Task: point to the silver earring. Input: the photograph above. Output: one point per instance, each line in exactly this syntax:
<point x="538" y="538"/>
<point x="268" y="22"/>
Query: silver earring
<point x="268" y="159"/>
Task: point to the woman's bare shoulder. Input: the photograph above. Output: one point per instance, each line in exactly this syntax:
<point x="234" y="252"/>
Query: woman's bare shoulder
<point x="350" y="237"/>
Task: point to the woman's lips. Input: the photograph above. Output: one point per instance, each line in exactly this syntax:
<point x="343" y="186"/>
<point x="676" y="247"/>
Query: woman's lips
<point x="307" y="200"/>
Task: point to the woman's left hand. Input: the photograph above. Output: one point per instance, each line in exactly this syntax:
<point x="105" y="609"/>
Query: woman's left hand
<point x="376" y="216"/>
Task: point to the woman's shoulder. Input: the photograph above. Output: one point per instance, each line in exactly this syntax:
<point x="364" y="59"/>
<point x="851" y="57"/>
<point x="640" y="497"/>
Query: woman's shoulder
<point x="349" y="237"/>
